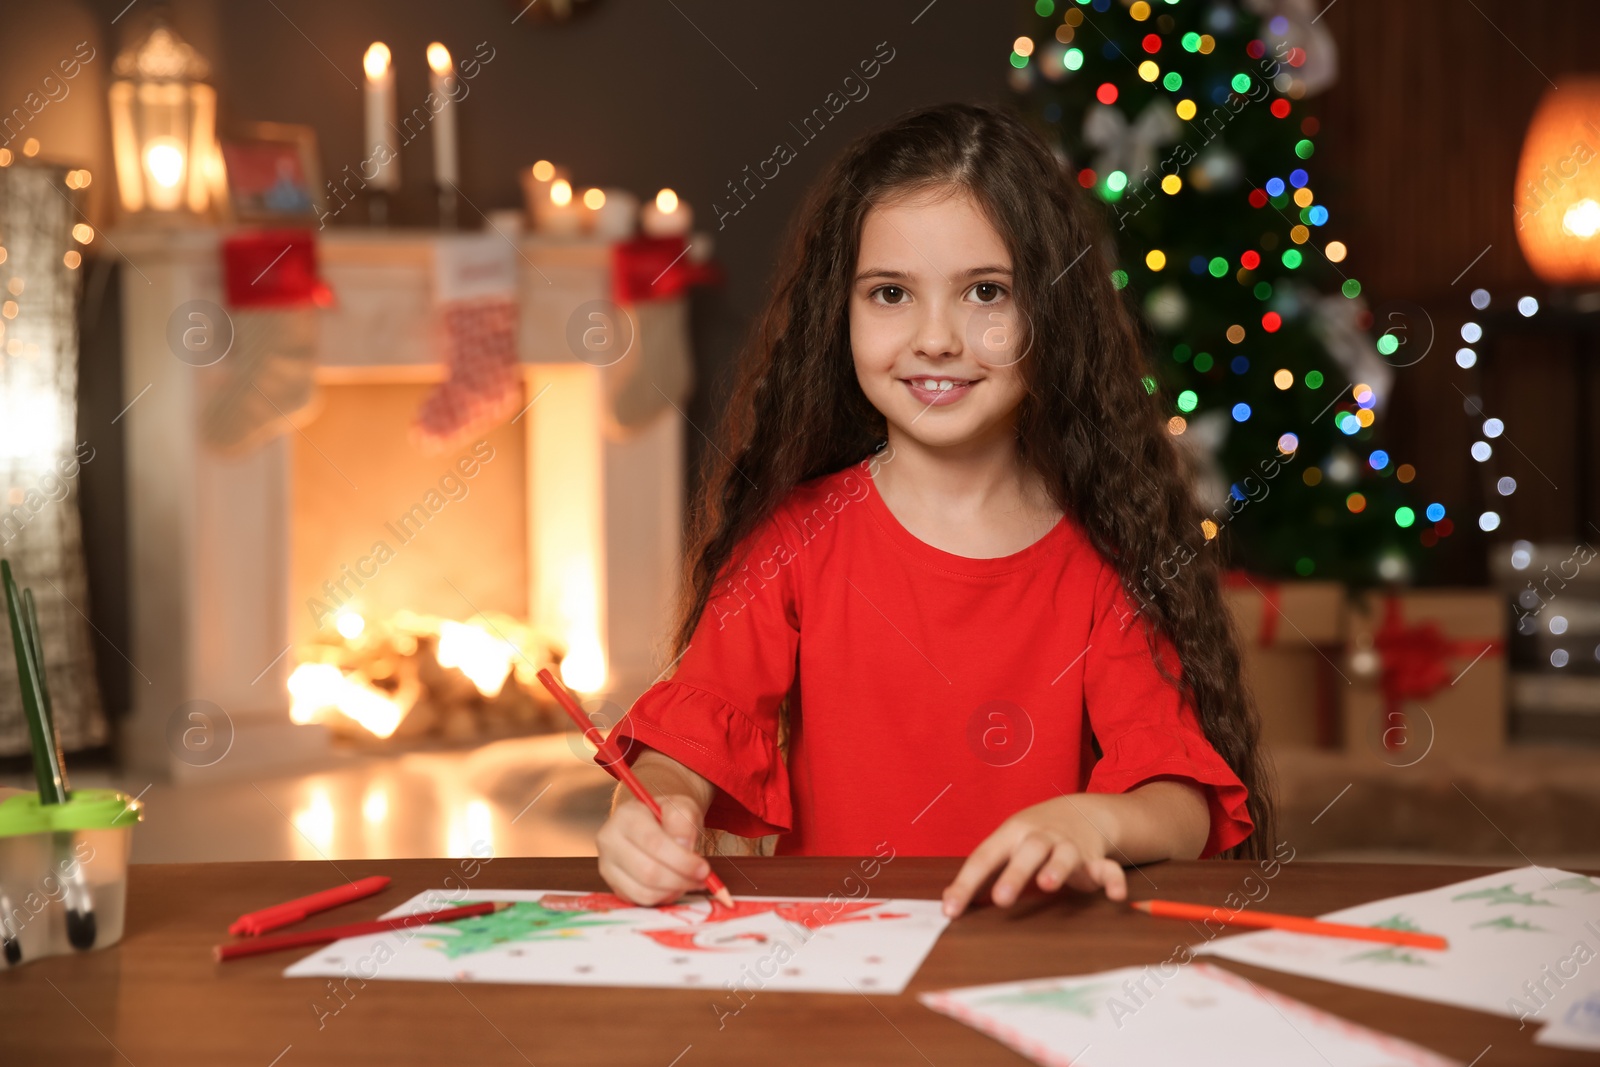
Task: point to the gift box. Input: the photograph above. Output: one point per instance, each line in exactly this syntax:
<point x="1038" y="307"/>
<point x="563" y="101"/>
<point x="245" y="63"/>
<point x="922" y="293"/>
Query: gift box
<point x="1428" y="675"/>
<point x="1292" y="637"/>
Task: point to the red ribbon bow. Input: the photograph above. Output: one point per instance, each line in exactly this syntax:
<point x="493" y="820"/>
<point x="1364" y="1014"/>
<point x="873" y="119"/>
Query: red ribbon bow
<point x="1414" y="663"/>
<point x="1270" y="608"/>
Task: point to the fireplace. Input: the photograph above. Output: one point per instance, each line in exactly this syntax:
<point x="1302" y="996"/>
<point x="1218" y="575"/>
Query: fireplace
<point x="335" y="583"/>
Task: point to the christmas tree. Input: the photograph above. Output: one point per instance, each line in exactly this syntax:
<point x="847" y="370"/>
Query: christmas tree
<point x="1189" y="121"/>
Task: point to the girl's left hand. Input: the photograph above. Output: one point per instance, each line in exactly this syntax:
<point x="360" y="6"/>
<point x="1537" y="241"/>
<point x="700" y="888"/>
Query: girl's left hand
<point x="1060" y="840"/>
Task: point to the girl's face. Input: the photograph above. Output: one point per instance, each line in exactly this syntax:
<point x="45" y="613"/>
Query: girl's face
<point x="936" y="337"/>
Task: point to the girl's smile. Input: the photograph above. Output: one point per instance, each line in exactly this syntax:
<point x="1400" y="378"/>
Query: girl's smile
<point x="939" y="390"/>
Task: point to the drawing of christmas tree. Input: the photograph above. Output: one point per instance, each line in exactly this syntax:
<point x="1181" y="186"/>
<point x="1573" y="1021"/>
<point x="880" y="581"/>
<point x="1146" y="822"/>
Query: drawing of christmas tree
<point x="1580" y="883"/>
<point x="1396" y="922"/>
<point x="1504" y="894"/>
<point x="522" y="922"/>
<point x="1387" y="955"/>
<point x="1078" y="999"/>
<point x="1505" y="922"/>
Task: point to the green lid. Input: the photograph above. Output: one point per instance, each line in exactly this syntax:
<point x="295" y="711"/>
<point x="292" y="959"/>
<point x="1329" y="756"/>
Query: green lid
<point x="85" y="809"/>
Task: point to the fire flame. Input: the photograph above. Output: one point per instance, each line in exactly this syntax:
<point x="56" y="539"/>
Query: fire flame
<point x="584" y="666"/>
<point x="316" y="688"/>
<point x="365" y="675"/>
<point x="483" y="657"/>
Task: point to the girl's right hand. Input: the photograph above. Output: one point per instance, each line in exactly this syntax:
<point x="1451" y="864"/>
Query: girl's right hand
<point x="650" y="862"/>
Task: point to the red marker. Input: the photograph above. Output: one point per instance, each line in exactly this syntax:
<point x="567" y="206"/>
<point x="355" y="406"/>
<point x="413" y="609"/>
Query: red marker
<point x="292" y="911"/>
<point x="614" y="761"/>
<point x="335" y="933"/>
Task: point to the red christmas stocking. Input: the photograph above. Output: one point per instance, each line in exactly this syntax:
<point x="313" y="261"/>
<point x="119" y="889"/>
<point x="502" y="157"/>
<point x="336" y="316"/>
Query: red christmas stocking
<point x="480" y="352"/>
<point x="475" y="292"/>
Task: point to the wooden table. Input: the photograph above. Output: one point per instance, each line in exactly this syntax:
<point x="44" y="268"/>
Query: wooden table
<point x="158" y="1000"/>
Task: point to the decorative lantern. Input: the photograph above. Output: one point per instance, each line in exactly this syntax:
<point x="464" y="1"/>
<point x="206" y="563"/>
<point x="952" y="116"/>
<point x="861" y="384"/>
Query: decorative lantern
<point x="1558" y="185"/>
<point x="163" y="128"/>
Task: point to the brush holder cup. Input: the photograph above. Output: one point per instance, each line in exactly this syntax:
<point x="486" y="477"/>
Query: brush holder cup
<point x="63" y="873"/>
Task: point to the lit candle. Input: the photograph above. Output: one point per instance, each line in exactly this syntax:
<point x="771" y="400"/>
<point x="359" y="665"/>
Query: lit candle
<point x="380" y="117"/>
<point x="667" y="216"/>
<point x="444" y="123"/>
<point x="593" y="200"/>
<point x="536" y="182"/>
<point x="618" y="217"/>
<point x="559" y="212"/>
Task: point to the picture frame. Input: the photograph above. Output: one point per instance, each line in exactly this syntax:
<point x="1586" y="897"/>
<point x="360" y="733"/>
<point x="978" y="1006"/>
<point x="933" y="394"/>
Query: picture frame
<point x="271" y="173"/>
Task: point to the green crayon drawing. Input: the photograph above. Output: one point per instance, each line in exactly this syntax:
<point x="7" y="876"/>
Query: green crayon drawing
<point x="1504" y="894"/>
<point x="1506" y="922"/>
<point x="1579" y="883"/>
<point x="1396" y="922"/>
<point x="1078" y="999"/>
<point x="1387" y="955"/>
<point x="524" y="921"/>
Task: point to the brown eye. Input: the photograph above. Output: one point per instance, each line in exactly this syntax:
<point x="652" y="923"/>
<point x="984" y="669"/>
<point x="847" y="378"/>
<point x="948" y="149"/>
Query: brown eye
<point x="890" y="294"/>
<point x="988" y="292"/>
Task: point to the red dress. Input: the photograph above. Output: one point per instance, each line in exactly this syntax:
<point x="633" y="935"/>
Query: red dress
<point x="932" y="695"/>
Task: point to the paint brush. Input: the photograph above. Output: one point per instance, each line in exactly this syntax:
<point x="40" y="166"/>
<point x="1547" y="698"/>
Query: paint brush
<point x="82" y="929"/>
<point x="9" y="940"/>
<point x="47" y="768"/>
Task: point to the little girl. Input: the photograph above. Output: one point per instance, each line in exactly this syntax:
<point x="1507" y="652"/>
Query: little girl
<point x="943" y="477"/>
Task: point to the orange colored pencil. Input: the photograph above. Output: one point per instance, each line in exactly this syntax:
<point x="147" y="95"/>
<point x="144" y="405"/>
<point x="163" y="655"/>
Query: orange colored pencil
<point x="615" y="762"/>
<point x="1298" y="924"/>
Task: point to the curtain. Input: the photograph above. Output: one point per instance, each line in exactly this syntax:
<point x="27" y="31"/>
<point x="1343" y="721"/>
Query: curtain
<point x="40" y="458"/>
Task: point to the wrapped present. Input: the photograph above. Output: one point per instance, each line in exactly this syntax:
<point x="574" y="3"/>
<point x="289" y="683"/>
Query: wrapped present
<point x="1428" y="675"/>
<point x="1292" y="637"/>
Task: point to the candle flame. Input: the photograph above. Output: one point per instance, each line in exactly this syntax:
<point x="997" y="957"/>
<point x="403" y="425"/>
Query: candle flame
<point x="544" y="170"/>
<point x="376" y="61"/>
<point x="594" y="199"/>
<point x="561" y="192"/>
<point x="439" y="58"/>
<point x="666" y="201"/>
<point x="164" y="158"/>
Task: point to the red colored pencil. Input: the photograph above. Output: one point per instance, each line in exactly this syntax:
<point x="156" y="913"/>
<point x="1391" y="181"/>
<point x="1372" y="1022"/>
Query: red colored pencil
<point x="1294" y="923"/>
<point x="613" y="760"/>
<point x="292" y="911"/>
<point x="304" y="938"/>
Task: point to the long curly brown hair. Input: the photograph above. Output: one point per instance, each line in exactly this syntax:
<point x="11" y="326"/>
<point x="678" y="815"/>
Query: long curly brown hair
<point x="1087" y="424"/>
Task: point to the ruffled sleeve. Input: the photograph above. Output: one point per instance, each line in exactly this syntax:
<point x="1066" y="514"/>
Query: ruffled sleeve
<point x="718" y="713"/>
<point x="1145" y="729"/>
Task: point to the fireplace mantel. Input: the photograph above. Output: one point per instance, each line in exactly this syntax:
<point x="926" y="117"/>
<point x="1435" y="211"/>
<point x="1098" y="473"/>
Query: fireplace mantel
<point x="208" y="535"/>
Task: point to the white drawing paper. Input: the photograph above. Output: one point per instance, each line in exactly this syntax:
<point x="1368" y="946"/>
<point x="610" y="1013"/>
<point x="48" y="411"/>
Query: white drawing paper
<point x="1199" y="1016"/>
<point x="1575" y="1023"/>
<point x="552" y="937"/>
<point x="1522" y="942"/>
